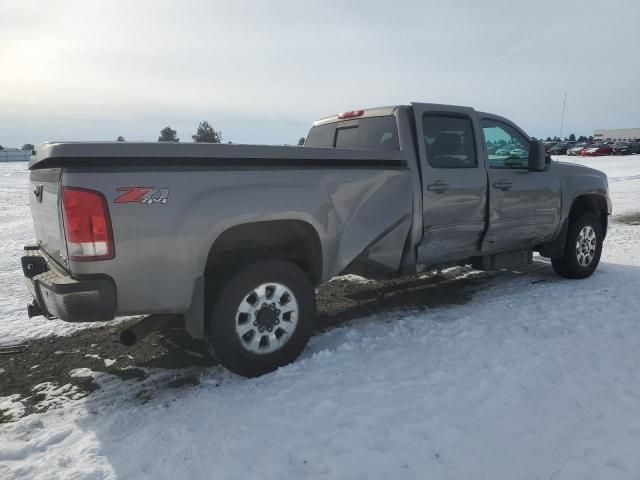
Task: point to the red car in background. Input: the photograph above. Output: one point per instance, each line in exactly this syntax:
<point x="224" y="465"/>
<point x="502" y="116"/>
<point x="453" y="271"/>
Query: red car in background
<point x="597" y="151"/>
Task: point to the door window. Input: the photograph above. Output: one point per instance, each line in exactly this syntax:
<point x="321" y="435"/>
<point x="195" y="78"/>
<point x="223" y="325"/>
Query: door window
<point x="449" y="141"/>
<point x="506" y="147"/>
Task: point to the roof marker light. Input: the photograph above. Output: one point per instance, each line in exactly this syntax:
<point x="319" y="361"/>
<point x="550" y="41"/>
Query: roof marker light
<point x="351" y="114"/>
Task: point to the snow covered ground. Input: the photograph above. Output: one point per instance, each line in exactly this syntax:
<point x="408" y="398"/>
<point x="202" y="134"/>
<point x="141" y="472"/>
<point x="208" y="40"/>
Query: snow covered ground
<point x="16" y="230"/>
<point x="536" y="377"/>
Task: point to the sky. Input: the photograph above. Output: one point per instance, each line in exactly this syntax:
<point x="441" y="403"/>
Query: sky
<point x="262" y="71"/>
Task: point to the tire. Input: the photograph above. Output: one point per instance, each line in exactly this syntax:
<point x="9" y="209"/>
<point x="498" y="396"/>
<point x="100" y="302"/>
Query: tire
<point x="240" y="307"/>
<point x="581" y="256"/>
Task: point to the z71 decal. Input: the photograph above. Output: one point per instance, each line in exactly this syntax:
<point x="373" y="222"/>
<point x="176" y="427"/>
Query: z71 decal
<point x="146" y="195"/>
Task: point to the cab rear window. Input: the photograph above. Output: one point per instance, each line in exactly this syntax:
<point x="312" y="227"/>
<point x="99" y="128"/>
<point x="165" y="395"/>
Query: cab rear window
<point x="374" y="133"/>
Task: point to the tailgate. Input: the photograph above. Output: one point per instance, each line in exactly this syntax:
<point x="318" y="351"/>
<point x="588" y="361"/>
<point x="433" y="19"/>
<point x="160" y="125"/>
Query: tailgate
<point x="44" y="195"/>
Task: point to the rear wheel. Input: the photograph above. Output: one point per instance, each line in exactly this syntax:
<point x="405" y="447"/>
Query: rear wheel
<point x="582" y="250"/>
<point x="263" y="317"/>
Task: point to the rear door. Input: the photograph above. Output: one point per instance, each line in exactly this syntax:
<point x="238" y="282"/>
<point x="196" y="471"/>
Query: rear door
<point x="524" y="206"/>
<point x="454" y="182"/>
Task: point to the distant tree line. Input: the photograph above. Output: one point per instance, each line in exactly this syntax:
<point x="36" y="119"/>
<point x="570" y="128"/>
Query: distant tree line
<point x="205" y="133"/>
<point x="571" y="138"/>
<point x="26" y="146"/>
<point x="167" y="134"/>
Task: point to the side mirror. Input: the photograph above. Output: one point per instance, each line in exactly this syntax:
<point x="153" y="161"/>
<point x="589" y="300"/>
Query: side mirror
<point x="537" y="157"/>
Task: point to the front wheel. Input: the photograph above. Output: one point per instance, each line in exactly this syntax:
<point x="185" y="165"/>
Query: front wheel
<point x="263" y="317"/>
<point x="582" y="250"/>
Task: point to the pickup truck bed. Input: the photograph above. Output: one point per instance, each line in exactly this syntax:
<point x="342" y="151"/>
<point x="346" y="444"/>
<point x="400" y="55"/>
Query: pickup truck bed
<point x="211" y="189"/>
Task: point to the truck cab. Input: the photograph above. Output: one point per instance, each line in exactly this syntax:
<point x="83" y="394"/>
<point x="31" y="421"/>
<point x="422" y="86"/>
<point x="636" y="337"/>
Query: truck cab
<point x="484" y="190"/>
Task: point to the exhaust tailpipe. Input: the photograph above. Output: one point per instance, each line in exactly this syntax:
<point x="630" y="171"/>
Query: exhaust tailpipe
<point x="144" y="327"/>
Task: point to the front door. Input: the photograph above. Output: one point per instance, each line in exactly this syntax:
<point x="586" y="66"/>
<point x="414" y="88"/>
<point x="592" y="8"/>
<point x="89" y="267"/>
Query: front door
<point x="454" y="182"/>
<point x="524" y="206"/>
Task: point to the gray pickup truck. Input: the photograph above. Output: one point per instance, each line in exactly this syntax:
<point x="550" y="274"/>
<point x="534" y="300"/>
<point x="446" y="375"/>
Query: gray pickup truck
<point x="234" y="238"/>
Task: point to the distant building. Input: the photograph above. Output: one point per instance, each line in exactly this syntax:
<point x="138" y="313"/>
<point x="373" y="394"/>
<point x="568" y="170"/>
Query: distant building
<point x="14" y="155"/>
<point x="619" y="135"/>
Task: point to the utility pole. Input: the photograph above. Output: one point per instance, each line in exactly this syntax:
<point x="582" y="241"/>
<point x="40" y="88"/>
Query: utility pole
<point x="564" y="104"/>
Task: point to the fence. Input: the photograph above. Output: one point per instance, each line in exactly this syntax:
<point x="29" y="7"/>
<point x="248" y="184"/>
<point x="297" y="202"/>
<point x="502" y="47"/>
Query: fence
<point x="14" y="155"/>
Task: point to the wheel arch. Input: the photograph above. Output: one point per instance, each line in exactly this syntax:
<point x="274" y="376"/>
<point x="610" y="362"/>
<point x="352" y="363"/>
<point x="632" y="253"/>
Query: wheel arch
<point x="584" y="203"/>
<point x="294" y="240"/>
<point x="590" y="203"/>
<point x="240" y="244"/>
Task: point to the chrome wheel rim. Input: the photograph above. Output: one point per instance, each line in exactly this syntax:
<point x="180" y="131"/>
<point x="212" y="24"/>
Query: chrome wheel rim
<point x="586" y="246"/>
<point x="266" y="318"/>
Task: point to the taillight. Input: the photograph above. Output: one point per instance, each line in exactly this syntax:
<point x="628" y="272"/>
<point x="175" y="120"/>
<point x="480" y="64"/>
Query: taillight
<point x="352" y="114"/>
<point x="87" y="225"/>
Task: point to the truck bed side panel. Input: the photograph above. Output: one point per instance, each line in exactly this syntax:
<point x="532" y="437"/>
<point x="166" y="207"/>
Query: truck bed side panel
<point x="161" y="249"/>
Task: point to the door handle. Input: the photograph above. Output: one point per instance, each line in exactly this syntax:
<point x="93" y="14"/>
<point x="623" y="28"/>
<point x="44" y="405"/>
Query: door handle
<point x="438" y="187"/>
<point x="503" y="185"/>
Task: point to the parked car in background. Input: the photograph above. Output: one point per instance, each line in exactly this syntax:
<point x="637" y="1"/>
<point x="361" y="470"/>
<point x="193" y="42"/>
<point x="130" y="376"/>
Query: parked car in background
<point x="597" y="151"/>
<point x="625" y="148"/>
<point x="518" y="152"/>
<point x="559" y="149"/>
<point x="577" y="150"/>
<point x="509" y="150"/>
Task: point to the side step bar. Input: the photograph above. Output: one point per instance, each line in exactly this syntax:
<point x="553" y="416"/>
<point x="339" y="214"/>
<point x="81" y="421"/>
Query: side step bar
<point x="501" y="261"/>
